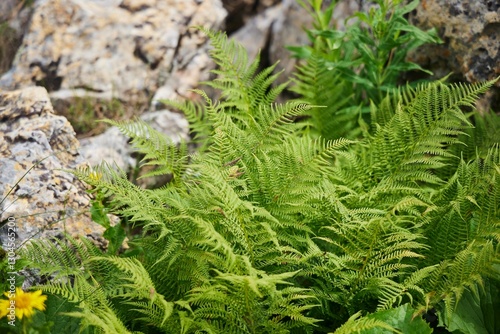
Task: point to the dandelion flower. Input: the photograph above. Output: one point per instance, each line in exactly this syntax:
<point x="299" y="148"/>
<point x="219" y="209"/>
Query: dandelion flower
<point x="25" y="303"/>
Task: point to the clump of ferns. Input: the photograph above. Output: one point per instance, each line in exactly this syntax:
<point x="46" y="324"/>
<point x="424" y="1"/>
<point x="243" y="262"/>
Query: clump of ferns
<point x="267" y="229"/>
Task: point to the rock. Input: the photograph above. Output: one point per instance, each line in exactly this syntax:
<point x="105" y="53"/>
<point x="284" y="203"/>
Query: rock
<point x="470" y="30"/>
<point x="255" y="36"/>
<point x="289" y="30"/>
<point x="126" y="48"/>
<point x="171" y="124"/>
<point x="6" y="8"/>
<point x="113" y="147"/>
<point x="37" y="195"/>
<point x="110" y="146"/>
<point x="241" y="11"/>
<point x="271" y="31"/>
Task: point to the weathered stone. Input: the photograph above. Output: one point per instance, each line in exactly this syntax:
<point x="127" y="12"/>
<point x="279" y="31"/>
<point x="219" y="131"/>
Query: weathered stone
<point x="256" y="34"/>
<point x="36" y="147"/>
<point x="289" y="30"/>
<point x="110" y="146"/>
<point x="269" y="32"/>
<point x="113" y="147"/>
<point x="128" y="48"/>
<point x="470" y="30"/>
<point x="241" y="11"/>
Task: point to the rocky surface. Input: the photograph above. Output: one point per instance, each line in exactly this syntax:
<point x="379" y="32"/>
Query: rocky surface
<point x="288" y="30"/>
<point x="270" y="31"/>
<point x="36" y="147"/>
<point x="241" y="11"/>
<point x="118" y="151"/>
<point x="126" y="48"/>
<point x="470" y="30"/>
<point x="138" y="49"/>
<point x="256" y="34"/>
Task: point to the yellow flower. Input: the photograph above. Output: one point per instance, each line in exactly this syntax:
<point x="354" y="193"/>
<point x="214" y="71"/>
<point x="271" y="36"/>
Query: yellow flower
<point x="95" y="176"/>
<point x="23" y="303"/>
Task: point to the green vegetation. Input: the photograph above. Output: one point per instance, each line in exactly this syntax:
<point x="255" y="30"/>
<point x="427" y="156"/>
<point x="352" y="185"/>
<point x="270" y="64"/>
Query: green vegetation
<point x="347" y="71"/>
<point x="82" y="113"/>
<point x="272" y="228"/>
<point x="9" y="42"/>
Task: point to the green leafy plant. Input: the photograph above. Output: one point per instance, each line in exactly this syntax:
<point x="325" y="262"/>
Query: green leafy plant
<point x="347" y="70"/>
<point x="270" y="229"/>
<point x="9" y="42"/>
<point x="83" y="111"/>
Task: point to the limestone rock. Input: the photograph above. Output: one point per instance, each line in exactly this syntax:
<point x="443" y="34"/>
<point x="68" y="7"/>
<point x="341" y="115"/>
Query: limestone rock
<point x="256" y="34"/>
<point x="114" y="148"/>
<point x="110" y="146"/>
<point x="470" y="30"/>
<point x="270" y="31"/>
<point x="36" y="147"/>
<point x="289" y="30"/>
<point x="129" y="48"/>
<point x="241" y="11"/>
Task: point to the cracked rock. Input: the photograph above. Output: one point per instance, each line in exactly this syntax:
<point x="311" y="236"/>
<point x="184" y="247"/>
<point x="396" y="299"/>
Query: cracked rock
<point x="45" y="200"/>
<point x="124" y="48"/>
<point x="470" y="30"/>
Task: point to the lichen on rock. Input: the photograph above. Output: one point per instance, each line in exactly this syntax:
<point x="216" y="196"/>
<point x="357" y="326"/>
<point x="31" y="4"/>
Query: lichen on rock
<point x="36" y="149"/>
<point x="128" y="48"/>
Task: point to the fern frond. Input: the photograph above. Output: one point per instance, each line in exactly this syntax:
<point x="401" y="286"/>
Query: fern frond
<point x="199" y="124"/>
<point x="317" y="83"/>
<point x="356" y="324"/>
<point x="158" y="149"/>
<point x="241" y="88"/>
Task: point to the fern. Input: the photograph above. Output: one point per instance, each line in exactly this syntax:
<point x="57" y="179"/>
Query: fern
<point x="271" y="229"/>
<point x="320" y="84"/>
<point x="357" y="324"/>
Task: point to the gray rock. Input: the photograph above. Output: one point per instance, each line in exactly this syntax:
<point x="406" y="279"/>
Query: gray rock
<point x="7" y="7"/>
<point x="241" y="11"/>
<point x="113" y="147"/>
<point x="128" y="48"/>
<point x="270" y="31"/>
<point x="256" y="34"/>
<point x="110" y="146"/>
<point x="289" y="30"/>
<point x="171" y="124"/>
<point x="470" y="30"/>
<point x="36" y="193"/>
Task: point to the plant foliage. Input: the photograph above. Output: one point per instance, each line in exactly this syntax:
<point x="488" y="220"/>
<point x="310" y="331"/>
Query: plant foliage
<point x="269" y="229"/>
<point x="346" y="70"/>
